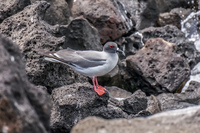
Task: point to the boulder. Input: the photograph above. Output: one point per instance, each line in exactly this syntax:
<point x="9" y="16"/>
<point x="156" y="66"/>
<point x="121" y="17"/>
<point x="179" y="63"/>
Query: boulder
<point x="177" y="121"/>
<point x="174" y="17"/>
<point x="28" y="30"/>
<point x="24" y="107"/>
<point x="172" y="34"/>
<point x="189" y="98"/>
<point x="10" y="7"/>
<point x="117" y="92"/>
<point x="80" y="35"/>
<point x="77" y="101"/>
<point x="135" y="103"/>
<point x="74" y="102"/>
<point x="134" y="9"/>
<point x="154" y="7"/>
<point x="58" y="13"/>
<point x="157" y="67"/>
<point x="108" y="16"/>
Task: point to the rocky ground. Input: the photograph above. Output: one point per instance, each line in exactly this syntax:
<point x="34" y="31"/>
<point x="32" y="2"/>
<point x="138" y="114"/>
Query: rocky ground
<point x="143" y="91"/>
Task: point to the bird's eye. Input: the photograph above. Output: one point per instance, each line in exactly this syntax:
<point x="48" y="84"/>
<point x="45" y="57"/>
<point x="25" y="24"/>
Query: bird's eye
<point x="111" y="46"/>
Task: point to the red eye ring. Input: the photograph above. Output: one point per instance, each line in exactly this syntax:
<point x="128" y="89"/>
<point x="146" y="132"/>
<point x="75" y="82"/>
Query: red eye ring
<point x="111" y="46"/>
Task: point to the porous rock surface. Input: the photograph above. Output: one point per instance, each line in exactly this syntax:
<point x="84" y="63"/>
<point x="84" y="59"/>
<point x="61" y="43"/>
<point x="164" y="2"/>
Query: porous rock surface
<point x="10" y="7"/>
<point x="175" y="121"/>
<point x="75" y="102"/>
<point x="27" y="110"/>
<point x="108" y="16"/>
<point x="158" y="66"/>
<point x="80" y="35"/>
<point x="24" y="107"/>
<point x="57" y="13"/>
<point x="32" y="34"/>
<point x="172" y="34"/>
<point x="150" y="14"/>
<point x="174" y="17"/>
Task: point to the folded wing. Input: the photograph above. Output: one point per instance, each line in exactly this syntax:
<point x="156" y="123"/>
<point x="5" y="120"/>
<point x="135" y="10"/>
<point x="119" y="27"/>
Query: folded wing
<point x="78" y="59"/>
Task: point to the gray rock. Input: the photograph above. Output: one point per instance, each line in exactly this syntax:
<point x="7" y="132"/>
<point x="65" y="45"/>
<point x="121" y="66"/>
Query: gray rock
<point x="150" y="14"/>
<point x="10" y="7"/>
<point x="169" y="18"/>
<point x="158" y="67"/>
<point x="153" y="105"/>
<point x="173" y="17"/>
<point x="108" y="16"/>
<point x="58" y="13"/>
<point x="136" y="103"/>
<point x="31" y="34"/>
<point x="117" y="92"/>
<point x="134" y="9"/>
<point x="169" y="33"/>
<point x="24" y="107"/>
<point x="172" y="34"/>
<point x="80" y="35"/>
<point x="75" y="102"/>
<point x="189" y="98"/>
<point x="176" y="121"/>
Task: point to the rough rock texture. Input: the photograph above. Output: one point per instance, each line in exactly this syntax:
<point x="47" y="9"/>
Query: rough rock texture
<point x="132" y="43"/>
<point x="173" y="17"/>
<point x="150" y="14"/>
<point x="31" y="34"/>
<point x="177" y="121"/>
<point x="72" y="103"/>
<point x="169" y="33"/>
<point x="108" y="16"/>
<point x="117" y="92"/>
<point x="173" y="35"/>
<point x="169" y="18"/>
<point x="190" y="97"/>
<point x="77" y="101"/>
<point x="157" y="67"/>
<point x="58" y="13"/>
<point x="10" y="7"/>
<point x="135" y="103"/>
<point x="80" y="35"/>
<point x="134" y="9"/>
<point x="24" y="107"/>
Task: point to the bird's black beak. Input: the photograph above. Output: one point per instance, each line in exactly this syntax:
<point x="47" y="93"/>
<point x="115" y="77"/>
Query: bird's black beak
<point x="122" y="52"/>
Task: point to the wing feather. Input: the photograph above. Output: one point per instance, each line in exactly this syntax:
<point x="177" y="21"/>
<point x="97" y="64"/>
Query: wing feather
<point x="80" y="59"/>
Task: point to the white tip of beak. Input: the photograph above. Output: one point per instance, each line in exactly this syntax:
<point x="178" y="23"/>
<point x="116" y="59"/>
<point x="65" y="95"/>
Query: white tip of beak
<point x="122" y="52"/>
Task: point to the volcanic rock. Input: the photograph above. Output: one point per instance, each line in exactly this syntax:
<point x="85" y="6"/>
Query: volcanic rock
<point x="154" y="7"/>
<point x="172" y="34"/>
<point x="173" y="17"/>
<point x="58" y="13"/>
<point x="176" y="121"/>
<point x="28" y="30"/>
<point x="108" y="16"/>
<point x="24" y="107"/>
<point x="75" y="102"/>
<point x="158" y="67"/>
<point x="80" y="35"/>
<point x="10" y="7"/>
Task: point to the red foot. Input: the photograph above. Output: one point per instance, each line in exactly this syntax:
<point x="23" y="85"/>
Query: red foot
<point x="101" y="88"/>
<point x="100" y="91"/>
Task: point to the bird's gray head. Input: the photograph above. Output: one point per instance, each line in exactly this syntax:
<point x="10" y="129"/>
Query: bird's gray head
<point x="111" y="47"/>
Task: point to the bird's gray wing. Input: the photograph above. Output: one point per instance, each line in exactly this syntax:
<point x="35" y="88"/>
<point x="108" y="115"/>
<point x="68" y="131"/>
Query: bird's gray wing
<point x="81" y="59"/>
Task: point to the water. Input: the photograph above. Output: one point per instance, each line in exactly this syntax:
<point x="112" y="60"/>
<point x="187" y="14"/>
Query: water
<point x="191" y="27"/>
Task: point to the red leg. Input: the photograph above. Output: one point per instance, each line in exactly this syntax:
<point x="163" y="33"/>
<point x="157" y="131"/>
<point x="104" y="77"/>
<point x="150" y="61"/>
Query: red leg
<point x="98" y="86"/>
<point x="98" y="91"/>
